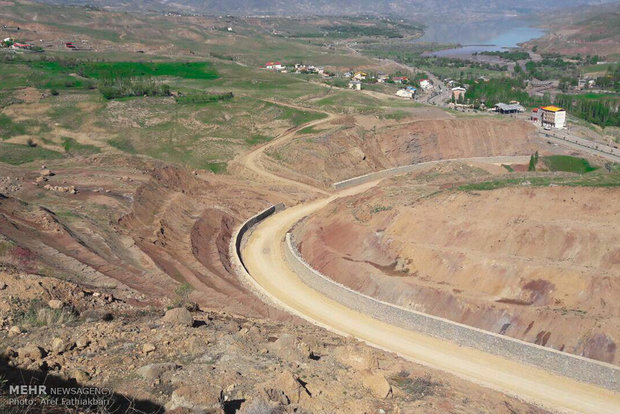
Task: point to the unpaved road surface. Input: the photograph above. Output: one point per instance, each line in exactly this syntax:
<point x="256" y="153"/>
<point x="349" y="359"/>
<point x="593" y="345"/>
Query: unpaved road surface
<point x="263" y="255"/>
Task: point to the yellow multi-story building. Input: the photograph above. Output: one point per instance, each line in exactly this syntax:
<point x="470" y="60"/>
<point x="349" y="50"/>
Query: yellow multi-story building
<point x="553" y="116"/>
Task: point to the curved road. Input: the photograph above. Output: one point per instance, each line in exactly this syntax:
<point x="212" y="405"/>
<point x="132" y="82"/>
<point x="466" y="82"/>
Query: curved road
<point x="263" y="255"/>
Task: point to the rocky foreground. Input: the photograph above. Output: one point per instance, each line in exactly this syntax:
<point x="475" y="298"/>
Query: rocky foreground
<point x="185" y="359"/>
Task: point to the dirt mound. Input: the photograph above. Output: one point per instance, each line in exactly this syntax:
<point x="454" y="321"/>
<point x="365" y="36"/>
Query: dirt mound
<point x="356" y="149"/>
<point x="539" y="264"/>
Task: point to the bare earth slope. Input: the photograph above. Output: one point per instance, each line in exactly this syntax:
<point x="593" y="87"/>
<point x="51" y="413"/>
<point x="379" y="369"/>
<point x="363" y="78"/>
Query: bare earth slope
<point x="539" y="264"/>
<point x="359" y="145"/>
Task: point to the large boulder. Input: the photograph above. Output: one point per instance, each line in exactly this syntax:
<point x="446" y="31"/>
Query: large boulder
<point x="288" y="348"/>
<point x="31" y="352"/>
<point x="178" y="316"/>
<point x="376" y="383"/>
<point x="360" y="358"/>
<point x="286" y="389"/>
<point x="59" y="345"/>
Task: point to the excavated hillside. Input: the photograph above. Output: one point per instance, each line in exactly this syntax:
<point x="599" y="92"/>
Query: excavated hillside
<point x="358" y="145"/>
<point x="130" y="224"/>
<point x="538" y="264"/>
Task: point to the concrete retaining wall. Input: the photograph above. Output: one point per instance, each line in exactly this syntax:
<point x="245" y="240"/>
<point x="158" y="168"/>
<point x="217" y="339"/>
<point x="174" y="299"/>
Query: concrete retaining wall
<point x="251" y="222"/>
<point x="351" y="182"/>
<point x="569" y="365"/>
<point x="236" y="260"/>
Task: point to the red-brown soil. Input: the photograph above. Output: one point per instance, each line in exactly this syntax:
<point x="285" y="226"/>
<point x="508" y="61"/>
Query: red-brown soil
<point x="538" y="264"/>
<point x="150" y="228"/>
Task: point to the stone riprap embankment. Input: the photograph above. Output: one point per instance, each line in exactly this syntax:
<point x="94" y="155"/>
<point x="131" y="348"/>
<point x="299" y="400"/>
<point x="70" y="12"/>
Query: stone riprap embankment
<point x="572" y="366"/>
<point x="362" y="179"/>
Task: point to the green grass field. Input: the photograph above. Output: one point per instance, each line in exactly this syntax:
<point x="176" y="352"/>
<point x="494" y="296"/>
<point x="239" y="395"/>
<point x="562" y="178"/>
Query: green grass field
<point x="73" y="147"/>
<point x="591" y="179"/>
<point x="568" y="164"/>
<point x="16" y="154"/>
<point x="97" y="70"/>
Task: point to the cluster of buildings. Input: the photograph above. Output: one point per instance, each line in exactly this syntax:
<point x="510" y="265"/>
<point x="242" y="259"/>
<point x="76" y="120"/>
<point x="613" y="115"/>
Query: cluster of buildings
<point x="549" y="117"/>
<point x="11" y="43"/>
<point x="408" y="92"/>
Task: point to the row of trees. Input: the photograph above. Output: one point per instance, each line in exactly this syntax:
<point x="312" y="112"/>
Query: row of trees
<point x="203" y="97"/>
<point x="120" y="87"/>
<point x="600" y="110"/>
<point x="501" y="90"/>
<point x="611" y="80"/>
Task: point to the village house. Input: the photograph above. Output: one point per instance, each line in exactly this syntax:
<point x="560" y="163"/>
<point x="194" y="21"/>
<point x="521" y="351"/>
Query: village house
<point x="425" y="84"/>
<point x="553" y="117"/>
<point x="355" y="84"/>
<point x="20" y="46"/>
<point x="382" y="78"/>
<point x="400" y="79"/>
<point x="586" y="83"/>
<point x="535" y="116"/>
<point x="458" y="93"/>
<point x="360" y="76"/>
<point x="408" y="92"/>
<point x="274" y="66"/>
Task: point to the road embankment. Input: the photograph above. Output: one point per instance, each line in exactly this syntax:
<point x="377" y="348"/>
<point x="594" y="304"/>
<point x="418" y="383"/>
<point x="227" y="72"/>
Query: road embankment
<point x="565" y="364"/>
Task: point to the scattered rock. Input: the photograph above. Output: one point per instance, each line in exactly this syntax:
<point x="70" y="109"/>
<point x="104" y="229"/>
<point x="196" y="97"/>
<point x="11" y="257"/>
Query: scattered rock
<point x="286" y="389"/>
<point x="80" y="375"/>
<point x="148" y="348"/>
<point x="3" y="286"/>
<point x="376" y="383"/>
<point x="196" y="398"/>
<point x="58" y="345"/>
<point x="55" y="304"/>
<point x="94" y="315"/>
<point x="31" y="352"/>
<point x="46" y="173"/>
<point x="82" y="342"/>
<point x="14" y="331"/>
<point x="179" y="316"/>
<point x="155" y="371"/>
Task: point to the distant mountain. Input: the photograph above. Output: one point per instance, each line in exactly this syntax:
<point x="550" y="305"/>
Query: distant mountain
<point x="408" y="8"/>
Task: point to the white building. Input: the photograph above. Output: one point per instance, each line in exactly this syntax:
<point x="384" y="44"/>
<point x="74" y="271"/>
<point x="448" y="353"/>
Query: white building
<point x="458" y="93"/>
<point x="274" y="66"/>
<point x="553" y="116"/>
<point x="405" y="93"/>
<point x="425" y="84"/>
<point x="357" y="85"/>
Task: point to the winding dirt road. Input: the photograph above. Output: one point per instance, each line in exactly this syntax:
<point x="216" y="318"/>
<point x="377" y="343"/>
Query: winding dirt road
<point x="263" y="255"/>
